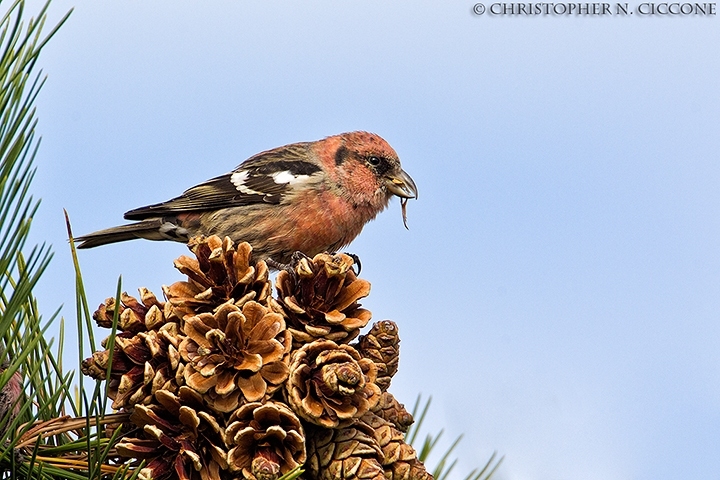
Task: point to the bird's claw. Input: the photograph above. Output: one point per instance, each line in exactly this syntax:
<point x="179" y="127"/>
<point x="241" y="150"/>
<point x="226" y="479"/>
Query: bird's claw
<point x="295" y="259"/>
<point x="356" y="261"/>
<point x="299" y="256"/>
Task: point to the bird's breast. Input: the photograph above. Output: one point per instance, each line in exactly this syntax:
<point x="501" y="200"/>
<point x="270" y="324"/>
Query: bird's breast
<point x="323" y="221"/>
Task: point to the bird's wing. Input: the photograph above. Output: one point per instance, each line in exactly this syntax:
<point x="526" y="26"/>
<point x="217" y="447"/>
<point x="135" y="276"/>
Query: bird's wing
<point x="263" y="178"/>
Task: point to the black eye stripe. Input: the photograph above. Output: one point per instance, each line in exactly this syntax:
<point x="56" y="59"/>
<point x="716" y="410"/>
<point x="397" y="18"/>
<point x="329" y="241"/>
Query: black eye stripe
<point x="341" y="155"/>
<point x="379" y="164"/>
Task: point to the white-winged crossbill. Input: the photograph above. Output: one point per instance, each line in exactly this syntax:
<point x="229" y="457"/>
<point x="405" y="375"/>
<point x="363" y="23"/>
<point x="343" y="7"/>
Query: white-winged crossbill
<point x="9" y="397"/>
<point x="309" y="197"/>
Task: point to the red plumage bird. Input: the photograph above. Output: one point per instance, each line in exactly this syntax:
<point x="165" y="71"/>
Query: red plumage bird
<point x="9" y="397"/>
<point x="309" y="197"/>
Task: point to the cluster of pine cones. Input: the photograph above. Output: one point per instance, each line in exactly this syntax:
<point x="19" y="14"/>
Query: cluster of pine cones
<point x="223" y="380"/>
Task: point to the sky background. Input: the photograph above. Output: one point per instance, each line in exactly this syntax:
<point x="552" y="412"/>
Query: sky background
<point x="558" y="292"/>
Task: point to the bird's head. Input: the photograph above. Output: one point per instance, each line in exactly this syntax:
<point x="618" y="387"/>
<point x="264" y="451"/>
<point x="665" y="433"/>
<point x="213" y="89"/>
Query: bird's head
<point x="368" y="169"/>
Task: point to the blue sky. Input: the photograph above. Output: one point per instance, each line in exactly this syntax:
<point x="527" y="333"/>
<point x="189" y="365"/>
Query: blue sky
<point x="558" y="292"/>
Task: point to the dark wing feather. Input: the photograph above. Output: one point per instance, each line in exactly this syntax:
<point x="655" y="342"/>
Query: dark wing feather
<point x="220" y="192"/>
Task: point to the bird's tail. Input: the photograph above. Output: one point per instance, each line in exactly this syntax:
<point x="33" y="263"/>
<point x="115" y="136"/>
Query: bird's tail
<point x="148" y="229"/>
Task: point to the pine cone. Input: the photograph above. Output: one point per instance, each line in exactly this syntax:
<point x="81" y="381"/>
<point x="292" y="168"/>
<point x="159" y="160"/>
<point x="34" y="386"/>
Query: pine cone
<point x="330" y="384"/>
<point x="134" y="316"/>
<point x="344" y="454"/>
<point x="399" y="458"/>
<point x="388" y="408"/>
<point x="382" y="346"/>
<point x="145" y="355"/>
<point x="178" y="439"/>
<point x="319" y="298"/>
<point x="235" y="355"/>
<point x="265" y="441"/>
<point x="200" y="375"/>
<point x="220" y="272"/>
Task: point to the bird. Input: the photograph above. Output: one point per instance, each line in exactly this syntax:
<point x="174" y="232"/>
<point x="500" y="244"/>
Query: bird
<point x="307" y="197"/>
<point x="9" y="397"/>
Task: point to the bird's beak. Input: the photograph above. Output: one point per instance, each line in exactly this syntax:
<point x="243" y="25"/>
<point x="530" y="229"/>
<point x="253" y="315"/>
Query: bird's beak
<point x="402" y="185"/>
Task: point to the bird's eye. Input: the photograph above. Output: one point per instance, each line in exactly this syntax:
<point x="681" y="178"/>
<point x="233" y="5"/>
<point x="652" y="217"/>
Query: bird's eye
<point x="374" y="161"/>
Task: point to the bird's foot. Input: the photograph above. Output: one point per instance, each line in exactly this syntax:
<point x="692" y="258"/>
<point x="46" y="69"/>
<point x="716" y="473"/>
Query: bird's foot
<point x="299" y="256"/>
<point x="295" y="259"/>
<point x="356" y="261"/>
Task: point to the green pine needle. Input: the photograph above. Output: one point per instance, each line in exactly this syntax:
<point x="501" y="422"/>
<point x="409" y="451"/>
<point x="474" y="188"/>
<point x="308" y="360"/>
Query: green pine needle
<point x="444" y="465"/>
